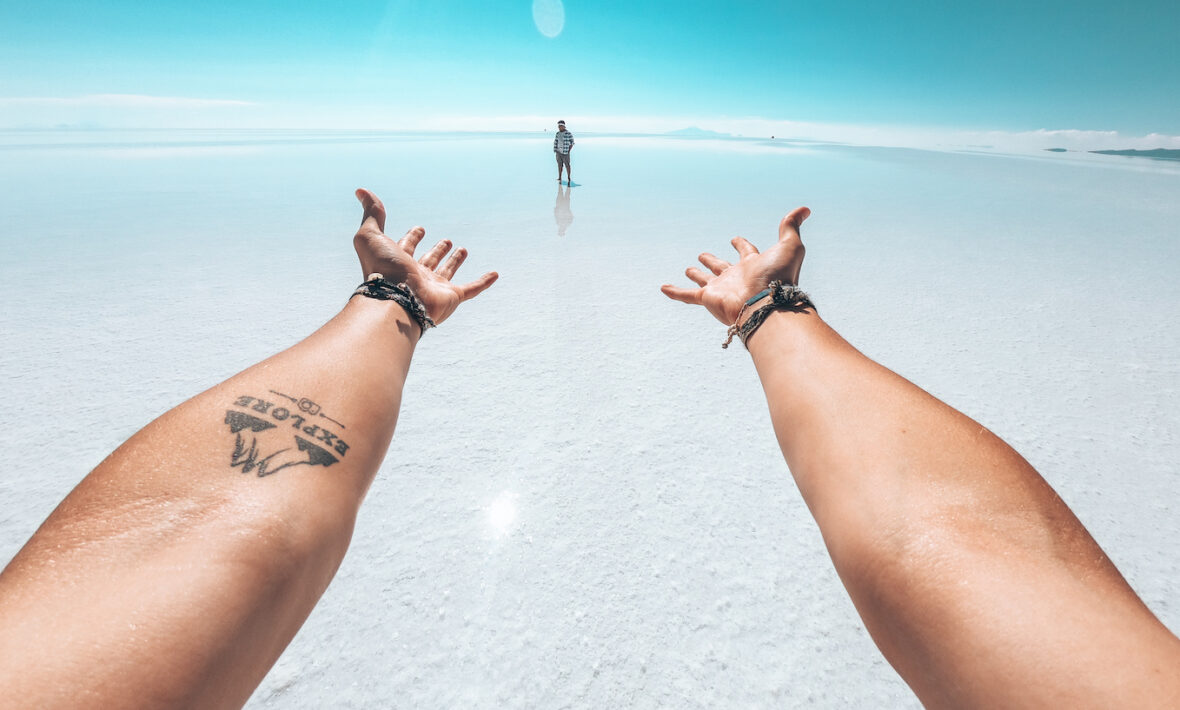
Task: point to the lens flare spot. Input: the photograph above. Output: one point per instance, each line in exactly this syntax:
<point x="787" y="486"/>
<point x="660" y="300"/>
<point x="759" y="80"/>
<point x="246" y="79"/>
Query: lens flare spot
<point x="549" y="16"/>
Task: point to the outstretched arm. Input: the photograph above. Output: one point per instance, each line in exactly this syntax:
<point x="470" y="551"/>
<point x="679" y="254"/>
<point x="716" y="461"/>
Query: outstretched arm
<point x="178" y="570"/>
<point x="974" y="578"/>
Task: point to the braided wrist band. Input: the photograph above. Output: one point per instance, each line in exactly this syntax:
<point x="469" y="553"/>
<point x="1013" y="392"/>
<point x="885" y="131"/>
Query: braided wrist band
<point x="783" y="297"/>
<point x="377" y="286"/>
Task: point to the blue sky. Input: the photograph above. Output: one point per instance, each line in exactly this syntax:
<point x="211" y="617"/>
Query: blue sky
<point x="1012" y="66"/>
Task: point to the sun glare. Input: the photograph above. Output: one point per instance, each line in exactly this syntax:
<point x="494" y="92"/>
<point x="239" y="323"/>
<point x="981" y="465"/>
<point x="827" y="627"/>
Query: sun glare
<point x="502" y="513"/>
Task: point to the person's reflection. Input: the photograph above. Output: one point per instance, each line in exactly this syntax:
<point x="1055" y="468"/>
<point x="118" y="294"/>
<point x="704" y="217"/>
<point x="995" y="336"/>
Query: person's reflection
<point x="561" y="210"/>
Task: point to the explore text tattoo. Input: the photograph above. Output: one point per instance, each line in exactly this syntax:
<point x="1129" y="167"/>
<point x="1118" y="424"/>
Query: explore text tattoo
<point x="263" y="434"/>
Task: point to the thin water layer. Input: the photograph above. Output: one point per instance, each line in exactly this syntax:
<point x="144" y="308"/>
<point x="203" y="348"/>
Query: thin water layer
<point x="584" y="504"/>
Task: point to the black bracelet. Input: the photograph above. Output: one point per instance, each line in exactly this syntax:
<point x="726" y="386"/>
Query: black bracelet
<point x="783" y="297"/>
<point x="377" y="286"/>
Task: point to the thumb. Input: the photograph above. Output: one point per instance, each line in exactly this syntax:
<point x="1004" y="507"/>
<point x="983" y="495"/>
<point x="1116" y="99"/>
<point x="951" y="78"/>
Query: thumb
<point x="789" y="226"/>
<point x="374" y="217"/>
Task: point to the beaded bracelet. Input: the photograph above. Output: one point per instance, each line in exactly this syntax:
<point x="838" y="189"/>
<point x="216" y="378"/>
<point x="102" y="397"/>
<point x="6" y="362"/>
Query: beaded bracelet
<point x="377" y="286"/>
<point x="783" y="297"/>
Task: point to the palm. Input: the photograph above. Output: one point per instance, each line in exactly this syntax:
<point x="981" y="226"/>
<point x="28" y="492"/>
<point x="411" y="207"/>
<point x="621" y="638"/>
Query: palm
<point x="429" y="277"/>
<point x="729" y="286"/>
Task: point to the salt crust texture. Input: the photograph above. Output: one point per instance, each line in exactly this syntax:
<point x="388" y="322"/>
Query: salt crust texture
<point x="584" y="505"/>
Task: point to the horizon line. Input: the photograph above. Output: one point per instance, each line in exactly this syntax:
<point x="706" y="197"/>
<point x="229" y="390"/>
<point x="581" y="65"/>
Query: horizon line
<point x="137" y="112"/>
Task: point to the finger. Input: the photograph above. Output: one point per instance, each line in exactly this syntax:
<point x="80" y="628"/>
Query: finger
<point x="698" y="277"/>
<point x="374" y="218"/>
<point x="684" y="295"/>
<point x="789" y="227"/>
<point x="477" y="286"/>
<point x="715" y="265"/>
<point x="436" y="254"/>
<point x="743" y="246"/>
<point x="448" y="269"/>
<point x="409" y="242"/>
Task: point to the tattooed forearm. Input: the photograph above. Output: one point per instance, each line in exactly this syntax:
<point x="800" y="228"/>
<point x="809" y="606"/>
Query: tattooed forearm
<point x="264" y="443"/>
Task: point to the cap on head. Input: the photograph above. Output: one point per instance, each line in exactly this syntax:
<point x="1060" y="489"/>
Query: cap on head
<point x="561" y="123"/>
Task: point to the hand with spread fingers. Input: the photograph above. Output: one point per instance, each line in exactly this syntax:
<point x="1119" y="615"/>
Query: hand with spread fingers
<point x="726" y="289"/>
<point x="429" y="277"/>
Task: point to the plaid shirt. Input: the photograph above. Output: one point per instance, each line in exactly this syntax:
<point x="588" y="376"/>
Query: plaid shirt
<point x="562" y="142"/>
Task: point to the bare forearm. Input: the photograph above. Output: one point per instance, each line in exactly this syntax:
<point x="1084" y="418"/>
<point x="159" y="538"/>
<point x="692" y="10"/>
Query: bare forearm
<point x="178" y="570"/>
<point x="863" y="441"/>
<point x="204" y="541"/>
<point x="974" y="578"/>
<point x="302" y="431"/>
<point x="955" y="551"/>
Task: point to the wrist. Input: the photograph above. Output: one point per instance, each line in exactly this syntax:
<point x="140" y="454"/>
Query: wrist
<point x="780" y="328"/>
<point x="387" y="316"/>
<point x="777" y="296"/>
<point x="377" y="287"/>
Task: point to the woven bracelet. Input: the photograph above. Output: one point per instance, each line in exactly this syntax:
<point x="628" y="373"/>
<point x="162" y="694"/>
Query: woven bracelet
<point x="377" y="286"/>
<point x="783" y="297"/>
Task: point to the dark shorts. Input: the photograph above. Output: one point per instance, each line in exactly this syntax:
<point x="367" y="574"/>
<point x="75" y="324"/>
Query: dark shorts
<point x="562" y="159"/>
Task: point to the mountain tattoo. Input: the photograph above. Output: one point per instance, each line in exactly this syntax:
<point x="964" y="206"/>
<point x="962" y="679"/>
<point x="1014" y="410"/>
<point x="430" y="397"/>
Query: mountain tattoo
<point x="262" y="445"/>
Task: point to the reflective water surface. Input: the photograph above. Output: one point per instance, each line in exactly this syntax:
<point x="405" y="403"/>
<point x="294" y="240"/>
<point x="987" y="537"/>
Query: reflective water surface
<point x="584" y="504"/>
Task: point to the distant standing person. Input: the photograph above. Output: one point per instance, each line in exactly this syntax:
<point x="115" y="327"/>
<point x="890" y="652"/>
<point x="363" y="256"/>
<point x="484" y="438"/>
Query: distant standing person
<point x="563" y="143"/>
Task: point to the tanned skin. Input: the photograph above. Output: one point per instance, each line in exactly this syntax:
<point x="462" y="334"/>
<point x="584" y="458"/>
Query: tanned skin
<point x="175" y="573"/>
<point x="974" y="578"/>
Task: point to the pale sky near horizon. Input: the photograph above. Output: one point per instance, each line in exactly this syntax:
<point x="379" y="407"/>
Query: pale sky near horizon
<point x="1000" y="65"/>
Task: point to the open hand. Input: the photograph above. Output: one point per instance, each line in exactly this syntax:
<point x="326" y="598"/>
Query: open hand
<point x="724" y="291"/>
<point x="430" y="282"/>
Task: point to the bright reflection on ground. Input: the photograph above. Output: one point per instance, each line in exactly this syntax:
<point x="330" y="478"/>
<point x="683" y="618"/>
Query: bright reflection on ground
<point x="549" y="16"/>
<point x="502" y="513"/>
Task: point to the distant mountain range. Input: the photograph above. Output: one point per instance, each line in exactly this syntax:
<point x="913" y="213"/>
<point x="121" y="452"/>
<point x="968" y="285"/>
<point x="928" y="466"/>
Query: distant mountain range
<point x="1154" y="153"/>
<point x="694" y="132"/>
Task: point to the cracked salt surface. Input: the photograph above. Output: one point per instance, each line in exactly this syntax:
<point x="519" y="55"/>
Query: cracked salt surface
<point x="584" y="505"/>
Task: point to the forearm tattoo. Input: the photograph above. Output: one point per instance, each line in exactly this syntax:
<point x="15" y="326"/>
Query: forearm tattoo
<point x="263" y="434"/>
